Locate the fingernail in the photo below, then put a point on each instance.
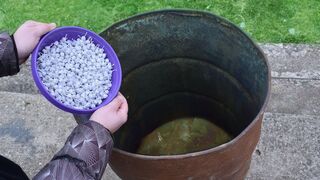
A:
(53, 24)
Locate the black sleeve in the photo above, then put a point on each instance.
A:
(9, 62)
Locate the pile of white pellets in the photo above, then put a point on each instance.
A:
(75, 72)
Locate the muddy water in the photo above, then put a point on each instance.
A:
(184, 135)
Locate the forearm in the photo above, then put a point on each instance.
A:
(84, 156)
(9, 63)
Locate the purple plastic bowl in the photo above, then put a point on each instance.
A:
(74, 32)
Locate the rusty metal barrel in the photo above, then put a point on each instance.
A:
(180, 63)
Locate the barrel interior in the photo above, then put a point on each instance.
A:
(177, 64)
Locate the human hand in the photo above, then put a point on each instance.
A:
(28, 35)
(113, 115)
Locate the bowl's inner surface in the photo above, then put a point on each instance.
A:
(179, 65)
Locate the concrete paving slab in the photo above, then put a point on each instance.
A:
(32, 131)
(289, 148)
(21, 82)
(295, 96)
(293, 60)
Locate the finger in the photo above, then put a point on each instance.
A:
(42, 28)
(120, 95)
(30, 23)
(124, 106)
(115, 104)
(43, 24)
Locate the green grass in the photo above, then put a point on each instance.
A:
(286, 21)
